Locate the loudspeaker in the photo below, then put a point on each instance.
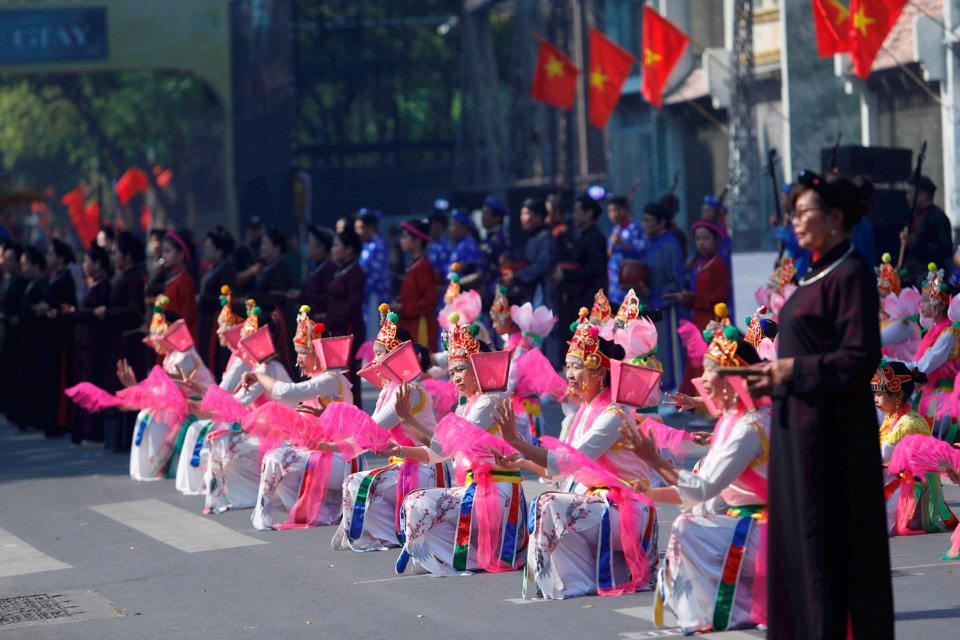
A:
(882, 164)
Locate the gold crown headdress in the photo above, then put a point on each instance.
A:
(784, 273)
(307, 331)
(585, 344)
(600, 312)
(500, 308)
(158, 321)
(453, 288)
(388, 328)
(252, 323)
(934, 286)
(629, 310)
(461, 341)
(888, 280)
(722, 338)
(227, 318)
(886, 380)
(754, 329)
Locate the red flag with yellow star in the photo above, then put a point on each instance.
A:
(831, 21)
(555, 77)
(609, 67)
(870, 22)
(663, 45)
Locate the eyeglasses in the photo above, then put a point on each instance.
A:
(799, 213)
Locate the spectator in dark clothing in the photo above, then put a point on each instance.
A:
(270, 287)
(218, 252)
(31, 395)
(56, 350)
(319, 242)
(11, 297)
(123, 316)
(345, 299)
(580, 276)
(247, 255)
(927, 237)
(91, 341)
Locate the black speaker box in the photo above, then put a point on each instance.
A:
(884, 165)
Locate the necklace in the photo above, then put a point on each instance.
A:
(827, 271)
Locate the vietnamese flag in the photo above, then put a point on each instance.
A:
(555, 77)
(871, 22)
(132, 182)
(609, 67)
(831, 21)
(663, 45)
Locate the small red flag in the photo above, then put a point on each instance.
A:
(554, 78)
(609, 67)
(663, 45)
(870, 23)
(831, 21)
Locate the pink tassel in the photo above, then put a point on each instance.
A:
(591, 473)
(222, 405)
(923, 454)
(158, 393)
(353, 430)
(693, 341)
(667, 437)
(536, 376)
(272, 424)
(954, 552)
(365, 353)
(460, 437)
(91, 397)
(313, 489)
(443, 394)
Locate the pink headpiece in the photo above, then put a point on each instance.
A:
(259, 345)
(178, 337)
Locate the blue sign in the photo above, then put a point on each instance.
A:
(53, 35)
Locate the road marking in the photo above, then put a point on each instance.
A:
(677, 631)
(526, 600)
(18, 558)
(176, 527)
(410, 577)
(646, 613)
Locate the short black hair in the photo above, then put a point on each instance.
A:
(35, 256)
(99, 256)
(10, 245)
(108, 231)
(834, 192)
(589, 204)
(62, 250)
(368, 219)
(349, 238)
(536, 205)
(222, 239)
(923, 184)
(658, 210)
(130, 245)
(618, 201)
(157, 233)
(440, 218)
(277, 238)
(322, 236)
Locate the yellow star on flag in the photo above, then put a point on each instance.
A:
(842, 12)
(861, 21)
(554, 67)
(651, 57)
(597, 79)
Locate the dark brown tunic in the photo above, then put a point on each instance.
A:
(827, 549)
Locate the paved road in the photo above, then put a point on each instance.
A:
(137, 560)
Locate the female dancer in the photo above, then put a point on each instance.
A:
(570, 552)
(371, 499)
(442, 526)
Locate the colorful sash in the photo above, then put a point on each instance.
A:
(497, 545)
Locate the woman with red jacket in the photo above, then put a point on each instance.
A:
(417, 302)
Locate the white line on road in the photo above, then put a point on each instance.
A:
(176, 527)
(18, 558)
(411, 577)
(526, 600)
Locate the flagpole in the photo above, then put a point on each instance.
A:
(580, 58)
